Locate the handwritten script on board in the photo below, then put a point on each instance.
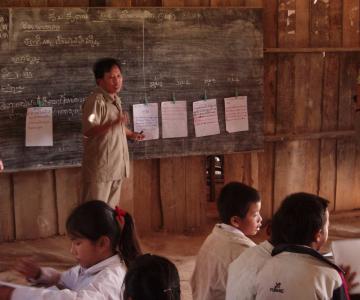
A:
(47, 56)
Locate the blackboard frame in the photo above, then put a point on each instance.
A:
(156, 47)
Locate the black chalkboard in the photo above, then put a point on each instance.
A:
(47, 55)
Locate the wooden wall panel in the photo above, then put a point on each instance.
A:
(195, 196)
(7, 225)
(117, 3)
(297, 162)
(34, 204)
(329, 121)
(286, 23)
(302, 23)
(173, 187)
(325, 24)
(296, 169)
(270, 21)
(350, 25)
(68, 194)
(146, 194)
(347, 190)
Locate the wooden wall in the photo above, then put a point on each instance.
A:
(311, 61)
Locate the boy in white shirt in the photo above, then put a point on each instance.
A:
(239, 210)
(296, 269)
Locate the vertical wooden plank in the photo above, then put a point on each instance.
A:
(236, 167)
(118, 3)
(173, 179)
(254, 3)
(76, 3)
(350, 23)
(295, 171)
(34, 203)
(146, 3)
(68, 191)
(197, 3)
(285, 111)
(146, 194)
(266, 180)
(286, 23)
(7, 228)
(270, 23)
(325, 24)
(347, 189)
(302, 26)
(308, 92)
(37, 3)
(327, 180)
(266, 159)
(219, 3)
(347, 175)
(127, 190)
(173, 3)
(195, 194)
(297, 162)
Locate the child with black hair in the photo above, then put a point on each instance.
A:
(296, 269)
(104, 243)
(152, 277)
(239, 210)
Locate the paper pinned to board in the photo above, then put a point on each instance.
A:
(206, 120)
(146, 119)
(236, 114)
(174, 119)
(39, 127)
(346, 253)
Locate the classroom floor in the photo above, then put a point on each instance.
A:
(181, 249)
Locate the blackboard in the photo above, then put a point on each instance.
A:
(47, 55)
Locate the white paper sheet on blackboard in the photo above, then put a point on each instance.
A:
(347, 253)
(174, 119)
(236, 114)
(206, 121)
(39, 127)
(146, 119)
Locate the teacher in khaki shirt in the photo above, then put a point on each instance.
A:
(106, 156)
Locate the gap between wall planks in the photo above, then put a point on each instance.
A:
(332, 170)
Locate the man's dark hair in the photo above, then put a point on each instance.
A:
(234, 200)
(299, 217)
(104, 65)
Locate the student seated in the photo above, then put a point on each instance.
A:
(242, 271)
(152, 277)
(103, 242)
(296, 269)
(239, 211)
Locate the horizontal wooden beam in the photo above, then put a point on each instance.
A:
(310, 50)
(309, 136)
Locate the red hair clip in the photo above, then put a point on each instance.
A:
(120, 214)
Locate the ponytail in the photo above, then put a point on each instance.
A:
(128, 245)
(94, 219)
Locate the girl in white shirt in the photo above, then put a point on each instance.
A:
(104, 243)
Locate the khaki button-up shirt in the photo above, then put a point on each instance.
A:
(106, 155)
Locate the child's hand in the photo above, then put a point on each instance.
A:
(349, 277)
(28, 267)
(5, 292)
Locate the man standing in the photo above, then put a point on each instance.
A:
(106, 157)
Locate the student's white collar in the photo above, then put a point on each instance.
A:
(101, 265)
